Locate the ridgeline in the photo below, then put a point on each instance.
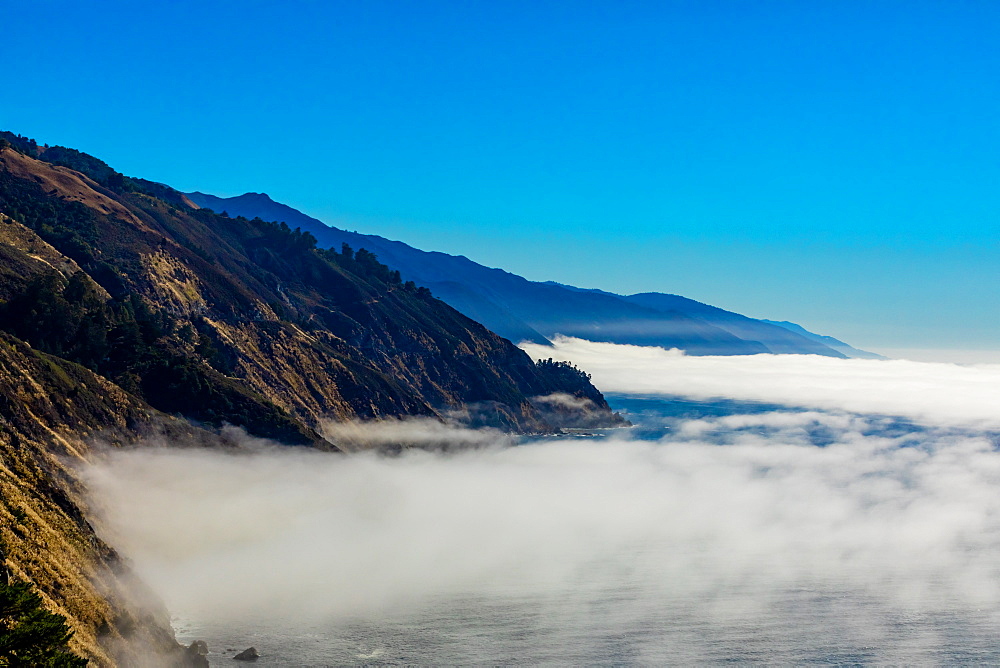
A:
(126, 311)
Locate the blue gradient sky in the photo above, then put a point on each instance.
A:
(831, 163)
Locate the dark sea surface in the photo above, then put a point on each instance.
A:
(684, 601)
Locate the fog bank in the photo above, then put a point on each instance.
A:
(720, 516)
(821, 532)
(420, 432)
(933, 393)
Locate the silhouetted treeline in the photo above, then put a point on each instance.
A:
(366, 264)
(564, 369)
(95, 168)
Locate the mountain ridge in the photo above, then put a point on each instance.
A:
(243, 287)
(830, 341)
(523, 310)
(128, 315)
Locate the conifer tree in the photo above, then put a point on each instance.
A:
(30, 635)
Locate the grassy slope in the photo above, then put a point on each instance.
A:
(49, 409)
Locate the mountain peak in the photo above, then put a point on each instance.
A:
(259, 197)
(248, 197)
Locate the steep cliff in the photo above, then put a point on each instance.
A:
(253, 324)
(127, 312)
(50, 412)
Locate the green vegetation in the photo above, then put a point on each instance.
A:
(282, 239)
(71, 319)
(123, 339)
(218, 319)
(198, 299)
(19, 143)
(127, 342)
(69, 226)
(96, 169)
(30, 635)
(564, 371)
(365, 264)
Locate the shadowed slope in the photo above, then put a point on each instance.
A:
(254, 315)
(525, 310)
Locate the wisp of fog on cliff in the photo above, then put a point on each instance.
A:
(733, 522)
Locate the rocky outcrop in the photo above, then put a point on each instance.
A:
(249, 654)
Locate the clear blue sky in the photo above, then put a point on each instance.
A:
(832, 163)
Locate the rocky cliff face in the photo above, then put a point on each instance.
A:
(125, 310)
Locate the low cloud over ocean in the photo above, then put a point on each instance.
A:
(933, 393)
(801, 529)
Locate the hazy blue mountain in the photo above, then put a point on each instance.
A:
(836, 344)
(777, 339)
(519, 309)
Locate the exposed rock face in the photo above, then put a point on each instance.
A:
(23, 254)
(249, 654)
(195, 656)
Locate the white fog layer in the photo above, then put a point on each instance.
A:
(778, 536)
(934, 393)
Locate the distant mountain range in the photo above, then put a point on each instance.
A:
(523, 310)
(836, 344)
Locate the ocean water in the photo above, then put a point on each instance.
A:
(794, 626)
(803, 626)
(712, 532)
